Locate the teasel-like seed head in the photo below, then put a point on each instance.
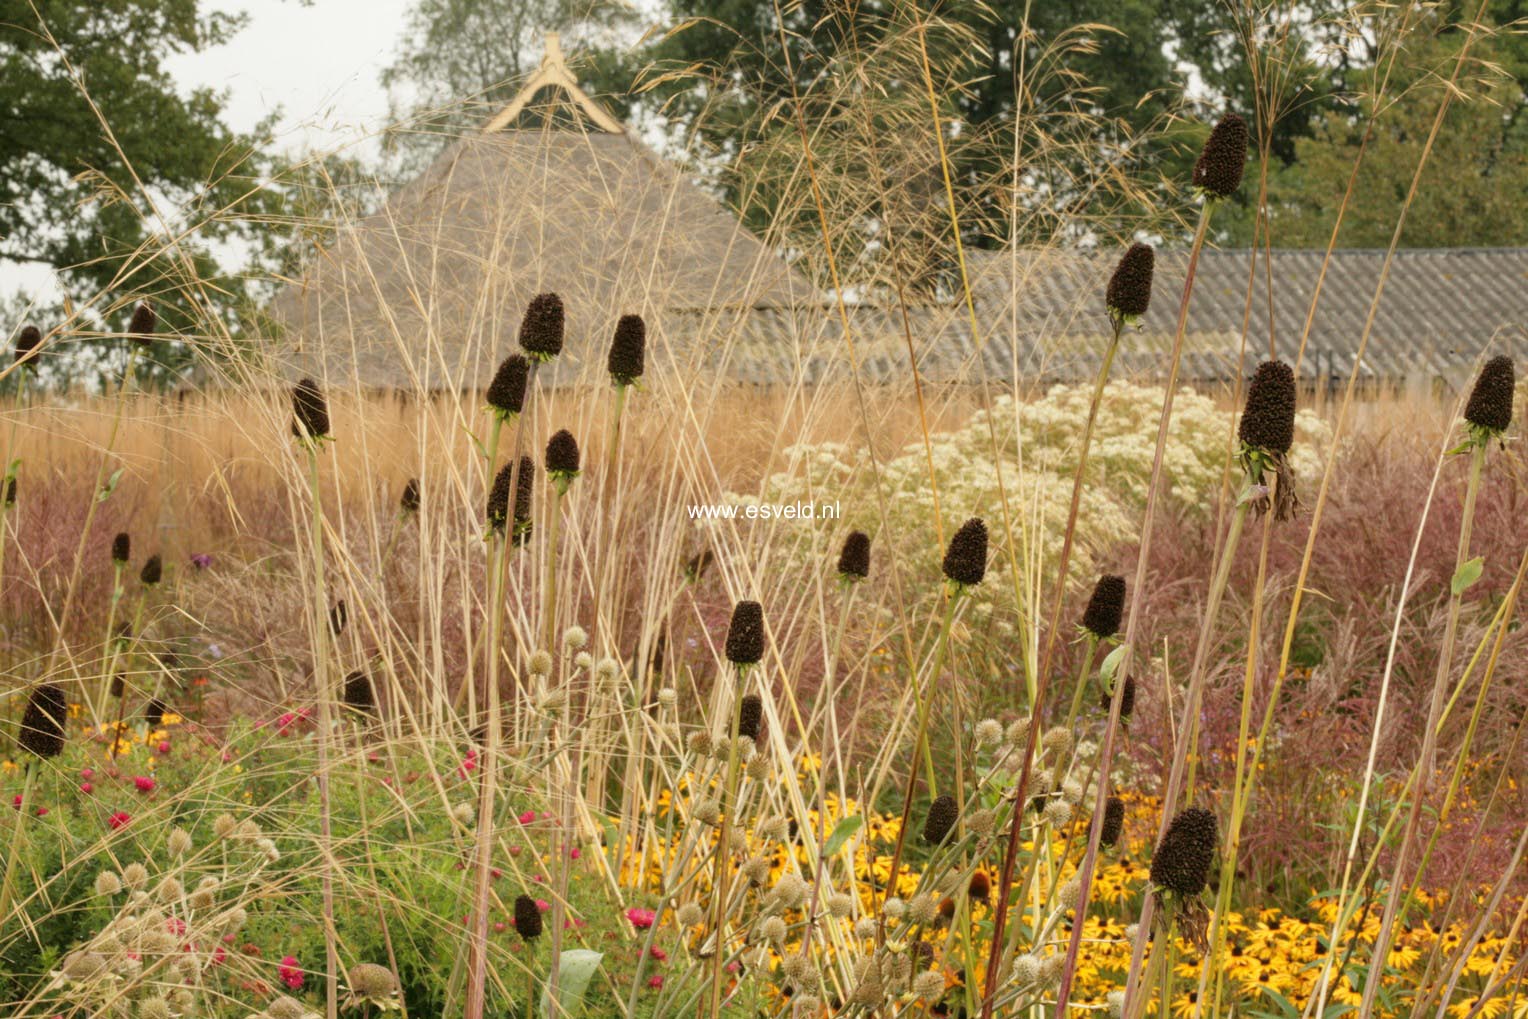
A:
(153, 571)
(310, 412)
(527, 917)
(498, 498)
(1490, 405)
(1126, 700)
(628, 350)
(408, 502)
(1106, 607)
(359, 694)
(42, 724)
(942, 815)
(965, 560)
(1129, 292)
(562, 456)
(854, 560)
(28, 340)
(745, 634)
(506, 393)
(1268, 423)
(1114, 822)
(339, 615)
(121, 548)
(750, 713)
(541, 328)
(1218, 172)
(1183, 858)
(143, 323)
(154, 712)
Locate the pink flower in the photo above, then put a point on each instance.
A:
(574, 853)
(118, 820)
(528, 817)
(543, 905)
(658, 953)
(87, 773)
(175, 925)
(655, 981)
(42, 811)
(641, 918)
(290, 972)
(16, 802)
(86, 787)
(144, 783)
(164, 746)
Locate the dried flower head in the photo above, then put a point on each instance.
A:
(965, 560)
(942, 815)
(1106, 607)
(108, 884)
(359, 695)
(750, 713)
(121, 547)
(1183, 858)
(525, 485)
(28, 340)
(628, 350)
(152, 572)
(988, 732)
(1218, 172)
(178, 842)
(745, 634)
(1129, 292)
(142, 325)
(310, 412)
(498, 498)
(154, 712)
(1126, 700)
(408, 502)
(42, 724)
(1490, 404)
(541, 328)
(854, 560)
(371, 983)
(690, 915)
(339, 615)
(1058, 813)
(135, 876)
(527, 917)
(929, 985)
(506, 393)
(562, 456)
(1268, 423)
(1114, 822)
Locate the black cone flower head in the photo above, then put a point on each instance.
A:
(942, 815)
(1129, 292)
(1183, 858)
(359, 695)
(745, 634)
(498, 498)
(339, 615)
(854, 560)
(1268, 423)
(1114, 822)
(1106, 607)
(10, 492)
(750, 713)
(541, 328)
(527, 917)
(1218, 172)
(42, 724)
(1490, 404)
(121, 547)
(143, 323)
(409, 500)
(506, 393)
(153, 571)
(525, 484)
(965, 561)
(310, 412)
(1126, 700)
(628, 350)
(28, 340)
(154, 712)
(562, 456)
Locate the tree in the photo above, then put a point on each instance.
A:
(103, 159)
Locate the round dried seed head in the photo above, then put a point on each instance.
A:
(541, 329)
(1106, 607)
(989, 732)
(373, 982)
(854, 559)
(965, 560)
(1058, 813)
(1129, 292)
(1268, 423)
(107, 884)
(1490, 404)
(574, 637)
(540, 663)
(628, 350)
(772, 930)
(1183, 858)
(745, 634)
(1218, 171)
(690, 915)
(840, 905)
(178, 842)
(928, 985)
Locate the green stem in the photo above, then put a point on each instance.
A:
(325, 734)
(18, 835)
(723, 849)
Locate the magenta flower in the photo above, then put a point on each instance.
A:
(201, 560)
(290, 973)
(119, 820)
(641, 918)
(144, 783)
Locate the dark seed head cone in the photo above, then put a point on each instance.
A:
(1218, 171)
(359, 695)
(1127, 700)
(750, 713)
(628, 351)
(942, 815)
(28, 340)
(745, 634)
(154, 712)
(525, 484)
(42, 724)
(1129, 292)
(527, 917)
(118, 688)
(965, 561)
(506, 393)
(339, 615)
(980, 886)
(498, 498)
(541, 328)
(1106, 607)
(310, 410)
(1183, 858)
(1114, 822)
(562, 454)
(153, 571)
(10, 492)
(143, 324)
(409, 500)
(854, 560)
(121, 547)
(1268, 423)
(696, 566)
(1490, 404)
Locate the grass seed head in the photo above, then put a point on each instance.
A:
(965, 560)
(1490, 404)
(628, 350)
(542, 327)
(1218, 171)
(1129, 291)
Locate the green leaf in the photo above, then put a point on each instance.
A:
(110, 486)
(574, 972)
(1111, 663)
(842, 832)
(1467, 573)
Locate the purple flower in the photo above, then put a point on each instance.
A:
(201, 560)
